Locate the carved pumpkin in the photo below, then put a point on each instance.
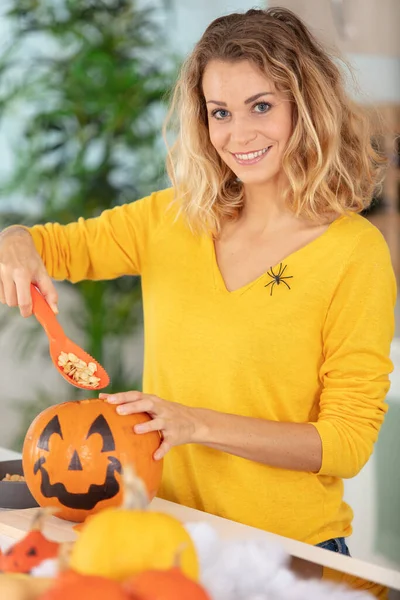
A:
(120, 542)
(170, 584)
(31, 551)
(70, 585)
(73, 454)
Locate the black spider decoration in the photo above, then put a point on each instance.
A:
(278, 278)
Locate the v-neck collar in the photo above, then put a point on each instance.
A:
(219, 282)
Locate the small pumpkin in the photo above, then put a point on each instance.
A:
(120, 542)
(23, 587)
(170, 584)
(31, 551)
(70, 585)
(72, 457)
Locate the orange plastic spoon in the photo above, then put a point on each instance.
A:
(59, 342)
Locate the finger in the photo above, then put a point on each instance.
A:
(139, 406)
(153, 425)
(24, 296)
(10, 293)
(2, 296)
(162, 450)
(48, 290)
(122, 397)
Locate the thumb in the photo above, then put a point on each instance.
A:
(48, 291)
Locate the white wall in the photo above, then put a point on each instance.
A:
(190, 18)
(378, 77)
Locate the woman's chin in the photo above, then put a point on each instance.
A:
(255, 178)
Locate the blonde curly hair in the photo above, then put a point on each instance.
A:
(330, 163)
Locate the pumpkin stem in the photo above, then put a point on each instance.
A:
(64, 553)
(177, 562)
(40, 517)
(135, 492)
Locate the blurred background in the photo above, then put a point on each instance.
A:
(82, 99)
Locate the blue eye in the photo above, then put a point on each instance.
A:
(262, 107)
(220, 114)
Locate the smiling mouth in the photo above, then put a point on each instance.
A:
(251, 158)
(86, 500)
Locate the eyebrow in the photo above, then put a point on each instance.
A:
(251, 99)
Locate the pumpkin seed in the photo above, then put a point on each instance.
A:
(9, 477)
(78, 370)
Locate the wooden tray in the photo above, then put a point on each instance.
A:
(15, 523)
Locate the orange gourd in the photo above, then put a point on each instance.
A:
(31, 551)
(170, 584)
(73, 455)
(70, 585)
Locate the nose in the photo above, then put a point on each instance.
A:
(242, 132)
(75, 464)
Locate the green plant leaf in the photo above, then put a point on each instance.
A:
(95, 89)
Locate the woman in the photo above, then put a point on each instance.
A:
(268, 301)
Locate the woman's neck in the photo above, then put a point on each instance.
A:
(265, 209)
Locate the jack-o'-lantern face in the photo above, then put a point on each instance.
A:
(28, 553)
(105, 489)
(73, 453)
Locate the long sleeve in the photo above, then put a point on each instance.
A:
(357, 335)
(105, 247)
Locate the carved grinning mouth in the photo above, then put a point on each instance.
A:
(85, 501)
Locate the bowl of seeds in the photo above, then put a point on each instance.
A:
(14, 492)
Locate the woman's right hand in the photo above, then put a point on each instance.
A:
(21, 265)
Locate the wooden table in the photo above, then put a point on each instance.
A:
(13, 524)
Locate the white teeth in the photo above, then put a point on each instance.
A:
(251, 155)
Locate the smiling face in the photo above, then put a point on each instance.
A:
(250, 121)
(74, 452)
(28, 553)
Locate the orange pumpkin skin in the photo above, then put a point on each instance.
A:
(70, 585)
(74, 452)
(171, 584)
(28, 553)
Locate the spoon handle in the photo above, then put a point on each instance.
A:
(46, 316)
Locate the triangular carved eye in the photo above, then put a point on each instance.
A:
(52, 426)
(31, 552)
(101, 427)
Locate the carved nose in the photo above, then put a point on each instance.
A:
(75, 464)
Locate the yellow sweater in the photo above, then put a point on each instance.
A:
(317, 352)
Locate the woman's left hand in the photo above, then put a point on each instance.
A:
(175, 422)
